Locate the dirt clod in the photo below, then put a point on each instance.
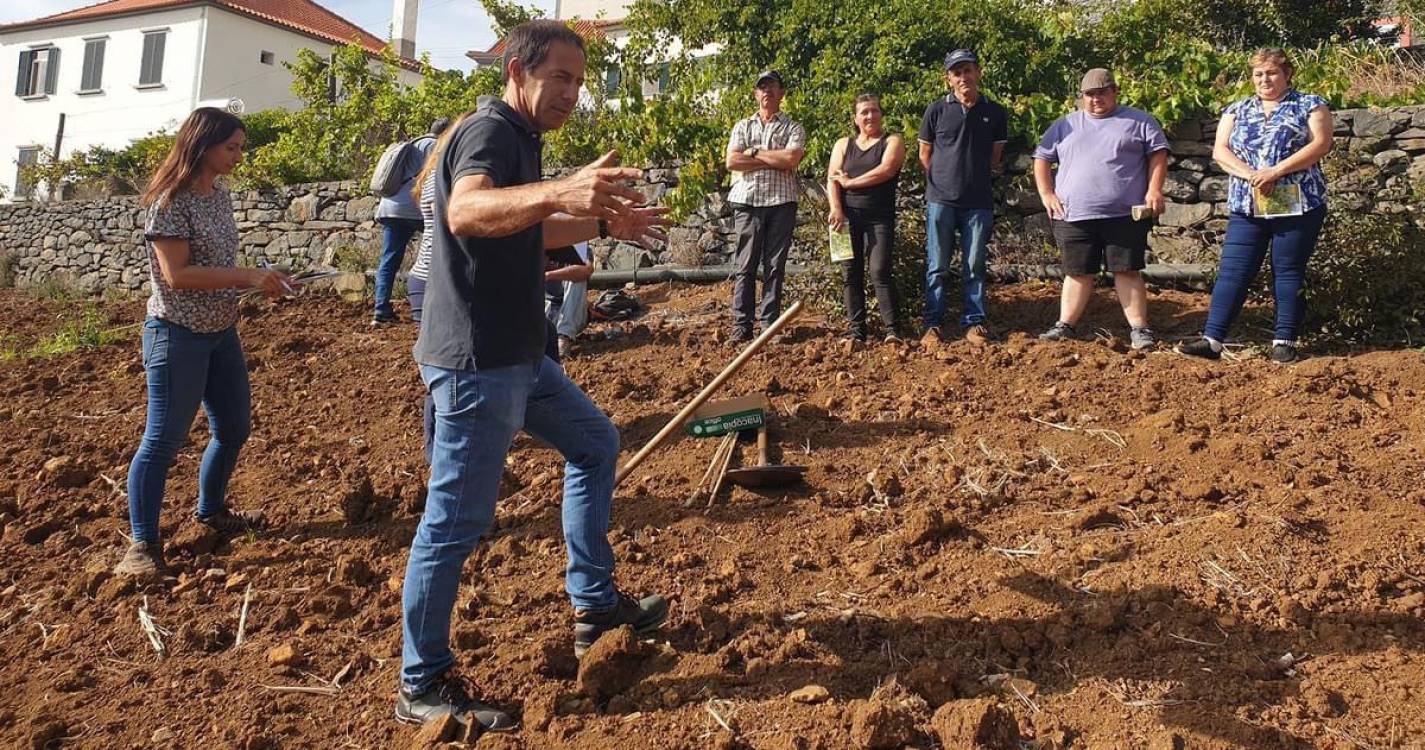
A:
(66, 471)
(977, 724)
(925, 526)
(285, 655)
(434, 733)
(888, 718)
(810, 694)
(45, 731)
(612, 665)
(195, 539)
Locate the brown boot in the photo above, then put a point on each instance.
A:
(142, 560)
(229, 521)
(977, 334)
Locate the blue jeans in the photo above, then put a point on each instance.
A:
(974, 226)
(397, 234)
(184, 369)
(416, 296)
(571, 315)
(1291, 239)
(477, 413)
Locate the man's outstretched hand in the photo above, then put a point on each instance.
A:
(642, 224)
(598, 190)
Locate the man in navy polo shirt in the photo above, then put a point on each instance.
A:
(481, 353)
(962, 139)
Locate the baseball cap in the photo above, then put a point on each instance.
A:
(1098, 78)
(770, 75)
(959, 56)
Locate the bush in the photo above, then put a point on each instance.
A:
(100, 171)
(1365, 283)
(57, 287)
(8, 261)
(352, 109)
(822, 284)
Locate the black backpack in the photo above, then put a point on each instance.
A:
(615, 304)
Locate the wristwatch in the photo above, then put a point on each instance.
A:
(755, 151)
(603, 229)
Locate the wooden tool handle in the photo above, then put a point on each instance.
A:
(763, 449)
(707, 392)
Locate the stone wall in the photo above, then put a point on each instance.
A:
(98, 244)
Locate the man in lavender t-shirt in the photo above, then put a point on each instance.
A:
(1110, 158)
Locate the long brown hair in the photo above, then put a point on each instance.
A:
(435, 153)
(204, 129)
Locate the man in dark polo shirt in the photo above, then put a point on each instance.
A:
(962, 139)
(482, 356)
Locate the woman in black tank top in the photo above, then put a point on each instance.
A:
(861, 183)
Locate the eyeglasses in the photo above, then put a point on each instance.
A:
(1097, 93)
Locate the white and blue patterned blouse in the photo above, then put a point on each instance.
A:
(1263, 141)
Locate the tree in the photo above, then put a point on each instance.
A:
(507, 14)
(339, 137)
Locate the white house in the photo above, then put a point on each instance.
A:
(600, 19)
(109, 73)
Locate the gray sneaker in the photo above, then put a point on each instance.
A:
(1060, 331)
(142, 560)
(1143, 338)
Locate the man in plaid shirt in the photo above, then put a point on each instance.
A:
(765, 149)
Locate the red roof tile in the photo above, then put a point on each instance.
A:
(584, 28)
(303, 16)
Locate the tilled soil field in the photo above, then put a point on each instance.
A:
(1019, 545)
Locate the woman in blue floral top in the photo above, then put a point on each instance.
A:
(1272, 145)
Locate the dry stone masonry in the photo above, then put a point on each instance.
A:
(98, 244)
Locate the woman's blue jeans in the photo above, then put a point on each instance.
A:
(185, 369)
(1291, 240)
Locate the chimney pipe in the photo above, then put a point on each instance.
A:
(403, 27)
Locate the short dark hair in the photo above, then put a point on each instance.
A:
(530, 43)
(439, 125)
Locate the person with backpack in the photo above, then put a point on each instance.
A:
(397, 213)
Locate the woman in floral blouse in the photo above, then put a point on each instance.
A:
(191, 351)
(1272, 145)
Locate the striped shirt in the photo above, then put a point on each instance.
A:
(421, 268)
(766, 187)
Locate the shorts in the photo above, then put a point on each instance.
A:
(1118, 244)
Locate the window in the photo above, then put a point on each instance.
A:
(151, 67)
(29, 156)
(92, 79)
(663, 77)
(266, 58)
(39, 72)
(612, 78)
